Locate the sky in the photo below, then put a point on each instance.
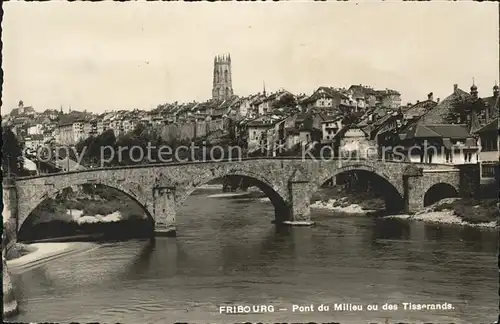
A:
(110, 55)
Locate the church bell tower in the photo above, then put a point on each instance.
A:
(222, 82)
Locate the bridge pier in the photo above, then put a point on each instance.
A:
(164, 211)
(10, 306)
(299, 208)
(412, 177)
(10, 204)
(414, 200)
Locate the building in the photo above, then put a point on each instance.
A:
(101, 126)
(436, 137)
(64, 133)
(23, 111)
(489, 156)
(79, 130)
(258, 133)
(302, 128)
(33, 142)
(330, 128)
(35, 129)
(222, 78)
(326, 99)
(439, 143)
(389, 98)
(353, 142)
(129, 125)
(438, 113)
(365, 94)
(414, 112)
(48, 136)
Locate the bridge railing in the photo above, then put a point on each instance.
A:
(279, 158)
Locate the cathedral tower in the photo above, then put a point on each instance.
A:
(222, 83)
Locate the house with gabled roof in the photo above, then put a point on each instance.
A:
(23, 110)
(432, 139)
(439, 143)
(330, 127)
(367, 96)
(257, 132)
(420, 108)
(389, 98)
(326, 98)
(438, 114)
(489, 142)
(351, 141)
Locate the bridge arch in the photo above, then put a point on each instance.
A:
(439, 191)
(27, 209)
(277, 194)
(391, 189)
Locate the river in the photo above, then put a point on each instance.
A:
(228, 252)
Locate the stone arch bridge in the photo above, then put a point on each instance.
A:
(288, 182)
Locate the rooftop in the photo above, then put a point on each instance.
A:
(452, 131)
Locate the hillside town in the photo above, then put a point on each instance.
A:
(348, 120)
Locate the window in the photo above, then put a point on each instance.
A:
(488, 171)
(489, 144)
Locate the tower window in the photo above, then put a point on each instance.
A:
(225, 76)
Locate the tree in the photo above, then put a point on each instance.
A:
(139, 129)
(107, 138)
(286, 100)
(350, 119)
(12, 153)
(461, 107)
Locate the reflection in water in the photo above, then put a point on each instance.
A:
(226, 251)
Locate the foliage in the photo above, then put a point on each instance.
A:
(351, 118)
(461, 107)
(12, 153)
(472, 210)
(286, 100)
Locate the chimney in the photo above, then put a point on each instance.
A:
(438, 99)
(455, 87)
(430, 96)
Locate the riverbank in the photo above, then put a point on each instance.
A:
(342, 205)
(86, 210)
(41, 253)
(458, 211)
(90, 204)
(335, 199)
(339, 199)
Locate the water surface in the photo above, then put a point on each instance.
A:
(227, 252)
